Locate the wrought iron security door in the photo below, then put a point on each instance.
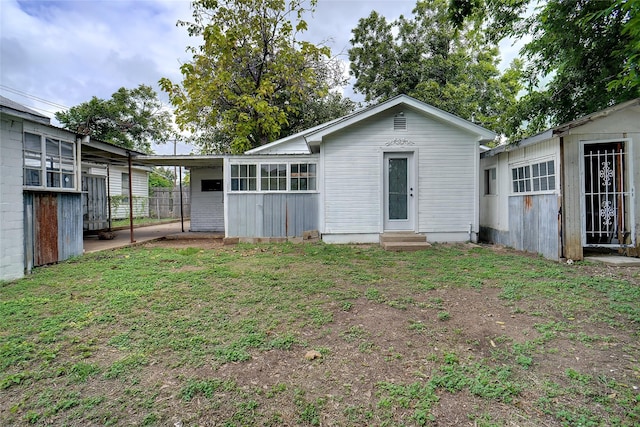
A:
(607, 195)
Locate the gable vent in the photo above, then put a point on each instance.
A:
(399, 122)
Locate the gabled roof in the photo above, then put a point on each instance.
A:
(11, 107)
(562, 129)
(313, 137)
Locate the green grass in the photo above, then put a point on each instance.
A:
(140, 336)
(141, 222)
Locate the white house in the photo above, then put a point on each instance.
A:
(401, 165)
(568, 189)
(117, 181)
(40, 199)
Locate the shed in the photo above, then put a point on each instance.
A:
(40, 198)
(567, 190)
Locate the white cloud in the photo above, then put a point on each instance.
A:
(70, 50)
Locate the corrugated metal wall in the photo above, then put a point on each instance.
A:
(52, 227)
(272, 215)
(533, 224)
(95, 211)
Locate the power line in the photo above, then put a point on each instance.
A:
(35, 98)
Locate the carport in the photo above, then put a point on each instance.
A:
(99, 152)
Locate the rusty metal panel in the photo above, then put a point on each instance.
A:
(533, 224)
(45, 228)
(70, 241)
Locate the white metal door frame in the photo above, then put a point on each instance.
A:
(610, 206)
(400, 224)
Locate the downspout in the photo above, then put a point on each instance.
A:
(130, 200)
(561, 200)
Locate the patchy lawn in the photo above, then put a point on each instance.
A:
(205, 335)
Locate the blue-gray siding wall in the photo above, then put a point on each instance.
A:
(533, 226)
(272, 215)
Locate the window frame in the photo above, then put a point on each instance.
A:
(282, 174)
(50, 159)
(245, 178)
(526, 177)
(276, 174)
(491, 181)
(311, 176)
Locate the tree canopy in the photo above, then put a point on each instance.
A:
(583, 55)
(252, 78)
(131, 118)
(427, 57)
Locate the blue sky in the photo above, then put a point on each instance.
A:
(67, 51)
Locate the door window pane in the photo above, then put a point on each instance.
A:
(398, 197)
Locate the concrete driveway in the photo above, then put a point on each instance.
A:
(140, 235)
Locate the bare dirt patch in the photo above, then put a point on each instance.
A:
(489, 351)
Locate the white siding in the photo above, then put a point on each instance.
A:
(296, 145)
(494, 209)
(446, 177)
(11, 201)
(207, 208)
(140, 190)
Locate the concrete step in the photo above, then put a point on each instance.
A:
(405, 246)
(402, 237)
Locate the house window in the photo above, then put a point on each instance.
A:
(32, 156)
(125, 184)
(544, 176)
(273, 177)
(303, 177)
(244, 178)
(51, 158)
(490, 182)
(211, 185)
(521, 177)
(534, 178)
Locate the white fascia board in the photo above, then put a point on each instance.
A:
(315, 137)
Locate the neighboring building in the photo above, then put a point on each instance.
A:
(40, 199)
(51, 181)
(568, 189)
(401, 165)
(115, 180)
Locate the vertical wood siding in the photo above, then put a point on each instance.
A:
(272, 215)
(95, 211)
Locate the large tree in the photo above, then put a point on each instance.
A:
(582, 55)
(252, 77)
(425, 56)
(131, 118)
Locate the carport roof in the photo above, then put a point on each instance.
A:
(102, 152)
(189, 161)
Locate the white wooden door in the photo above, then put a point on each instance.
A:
(399, 192)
